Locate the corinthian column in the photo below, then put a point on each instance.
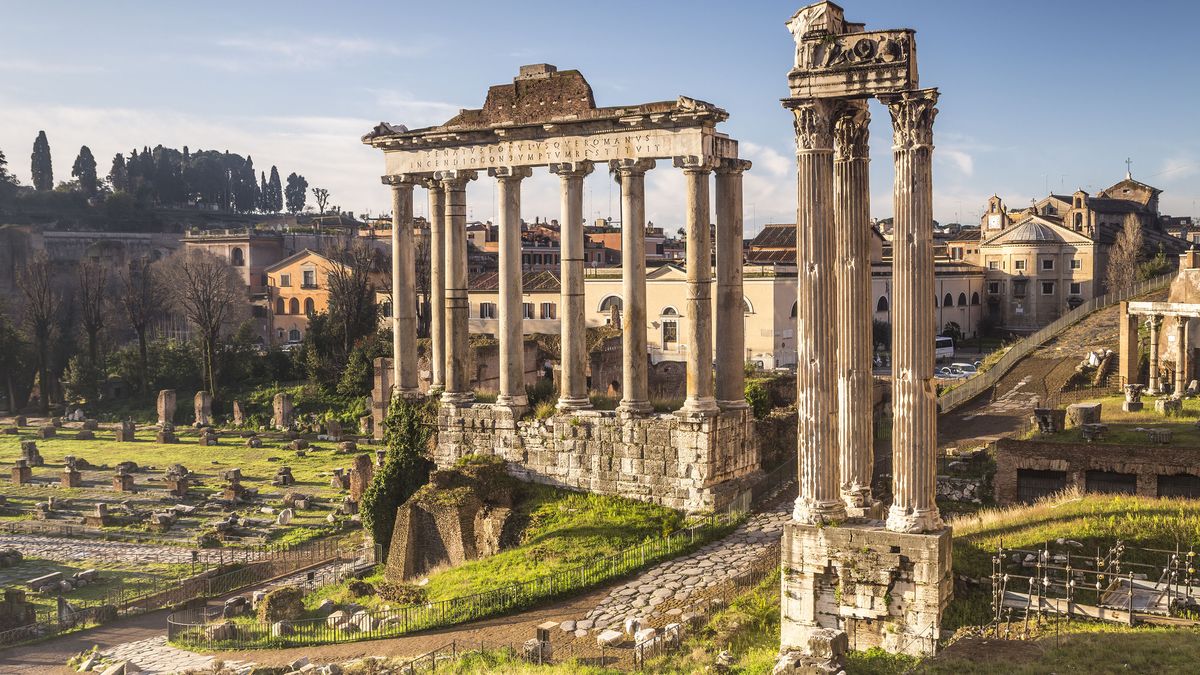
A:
(458, 359)
(404, 320)
(914, 396)
(852, 220)
(437, 285)
(631, 174)
(1155, 381)
(816, 383)
(699, 399)
(731, 317)
(512, 343)
(573, 394)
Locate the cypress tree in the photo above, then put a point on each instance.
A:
(275, 205)
(84, 170)
(40, 164)
(118, 175)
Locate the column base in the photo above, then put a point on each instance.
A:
(567, 403)
(811, 512)
(915, 521)
(458, 398)
(512, 401)
(739, 404)
(700, 407)
(409, 394)
(884, 589)
(871, 509)
(626, 407)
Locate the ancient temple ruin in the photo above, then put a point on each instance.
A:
(883, 581)
(695, 458)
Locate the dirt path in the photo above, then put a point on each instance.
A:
(51, 656)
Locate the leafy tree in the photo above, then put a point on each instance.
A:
(322, 197)
(405, 469)
(953, 330)
(1156, 266)
(118, 175)
(40, 164)
(296, 192)
(881, 334)
(13, 352)
(84, 170)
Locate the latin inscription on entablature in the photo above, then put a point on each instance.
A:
(640, 144)
(855, 64)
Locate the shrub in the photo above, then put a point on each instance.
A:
(405, 468)
(759, 398)
(282, 604)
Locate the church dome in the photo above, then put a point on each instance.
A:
(1031, 232)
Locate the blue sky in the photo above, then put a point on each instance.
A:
(1035, 95)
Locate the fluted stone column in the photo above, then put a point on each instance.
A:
(437, 285)
(700, 399)
(731, 317)
(852, 220)
(404, 319)
(1155, 383)
(914, 395)
(1180, 355)
(512, 342)
(458, 359)
(573, 393)
(816, 383)
(631, 174)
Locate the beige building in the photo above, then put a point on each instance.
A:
(1051, 257)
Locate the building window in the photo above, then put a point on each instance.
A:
(1076, 288)
(280, 306)
(293, 306)
(948, 301)
(1047, 288)
(285, 280)
(387, 310)
(1047, 264)
(1019, 265)
(975, 298)
(487, 310)
(1076, 264)
(609, 303)
(993, 264)
(548, 310)
(1019, 289)
(526, 310)
(280, 334)
(294, 335)
(310, 307)
(881, 306)
(670, 333)
(962, 299)
(994, 287)
(309, 280)
(237, 258)
(747, 308)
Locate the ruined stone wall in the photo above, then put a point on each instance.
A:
(1148, 462)
(694, 464)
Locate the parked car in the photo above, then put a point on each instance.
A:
(968, 369)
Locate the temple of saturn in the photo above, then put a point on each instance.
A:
(697, 458)
(1172, 369)
(849, 568)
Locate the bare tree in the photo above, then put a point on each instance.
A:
(144, 300)
(1124, 257)
(93, 294)
(421, 254)
(352, 307)
(322, 197)
(205, 290)
(42, 303)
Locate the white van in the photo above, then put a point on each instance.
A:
(943, 348)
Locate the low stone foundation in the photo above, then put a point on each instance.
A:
(884, 589)
(689, 463)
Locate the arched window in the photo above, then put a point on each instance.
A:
(310, 307)
(294, 335)
(237, 258)
(935, 301)
(293, 306)
(948, 301)
(975, 298)
(747, 307)
(881, 306)
(669, 311)
(962, 299)
(794, 306)
(1078, 221)
(280, 306)
(609, 302)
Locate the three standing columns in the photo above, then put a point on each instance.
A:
(855, 380)
(820, 500)
(512, 342)
(457, 356)
(914, 395)
(700, 399)
(573, 391)
(631, 174)
(731, 317)
(404, 320)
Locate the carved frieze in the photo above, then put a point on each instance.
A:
(854, 64)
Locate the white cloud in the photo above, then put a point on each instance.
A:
(961, 161)
(45, 68)
(401, 107)
(1177, 168)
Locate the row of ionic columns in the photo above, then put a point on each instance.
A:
(1182, 356)
(450, 357)
(834, 361)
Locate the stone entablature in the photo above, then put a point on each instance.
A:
(694, 463)
(1147, 462)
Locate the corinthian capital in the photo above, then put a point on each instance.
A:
(912, 117)
(851, 132)
(814, 124)
(630, 167)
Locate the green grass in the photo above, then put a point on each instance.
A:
(1122, 425)
(117, 579)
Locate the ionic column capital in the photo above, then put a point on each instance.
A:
(913, 113)
(572, 169)
(408, 180)
(733, 165)
(851, 132)
(510, 173)
(624, 168)
(693, 164)
(455, 180)
(814, 124)
(1155, 321)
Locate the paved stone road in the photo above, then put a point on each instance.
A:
(66, 550)
(671, 583)
(154, 655)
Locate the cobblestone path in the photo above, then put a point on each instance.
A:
(668, 586)
(66, 550)
(154, 655)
